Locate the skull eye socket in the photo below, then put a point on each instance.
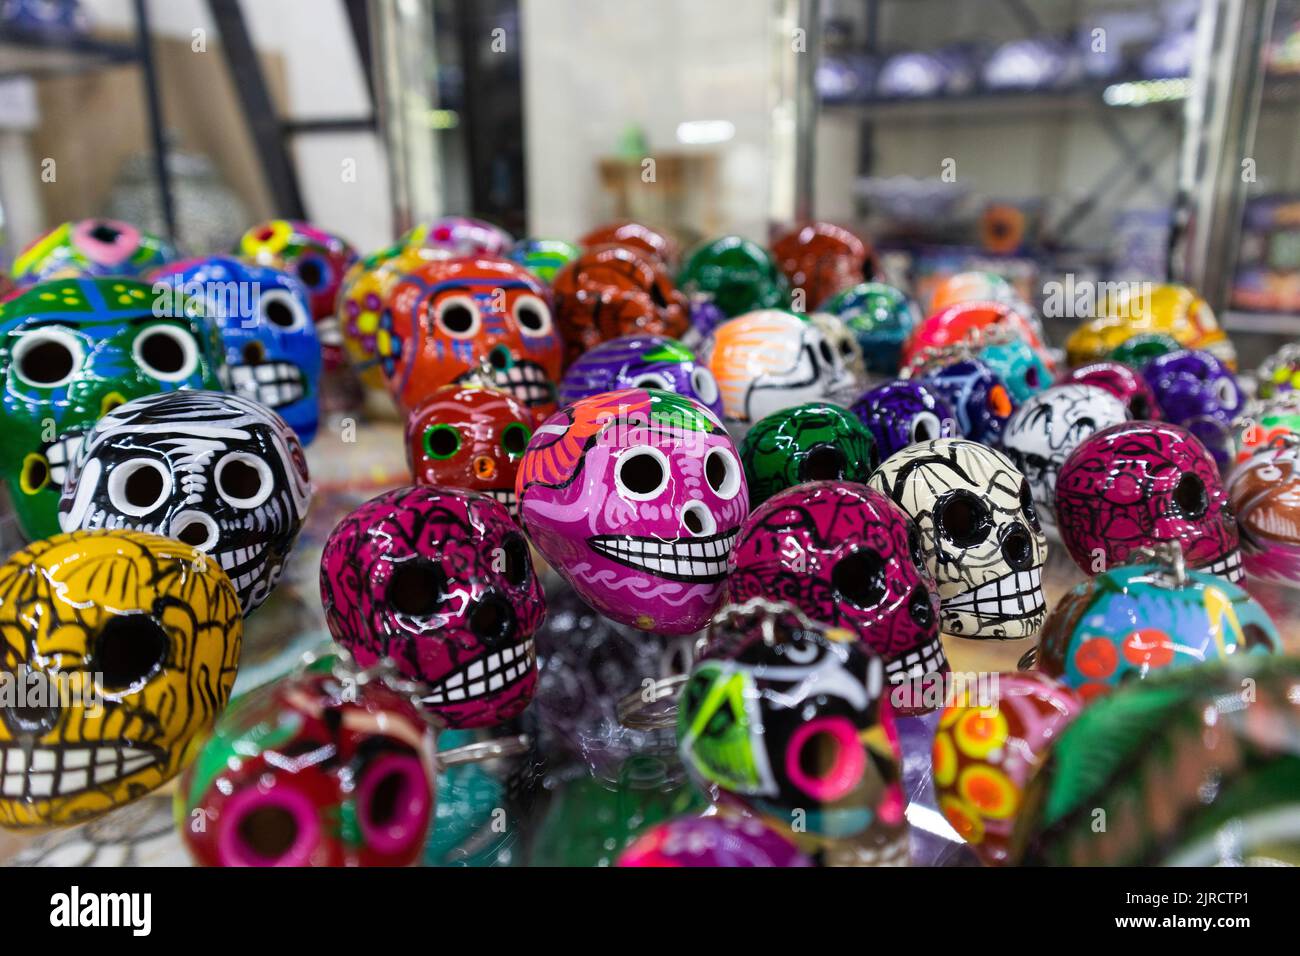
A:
(458, 316)
(166, 352)
(704, 385)
(393, 800)
(48, 358)
(1191, 498)
(641, 473)
(272, 827)
(653, 380)
(416, 587)
(859, 578)
(1226, 393)
(243, 480)
(441, 441)
(517, 564)
(533, 316)
(926, 427)
(282, 310)
(722, 472)
(1138, 407)
(129, 650)
(827, 355)
(963, 519)
(314, 272)
(514, 439)
(1027, 506)
(139, 485)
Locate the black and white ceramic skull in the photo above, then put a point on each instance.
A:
(980, 534)
(217, 471)
(1043, 431)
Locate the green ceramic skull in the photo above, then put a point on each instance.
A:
(813, 442)
(1140, 349)
(73, 349)
(738, 275)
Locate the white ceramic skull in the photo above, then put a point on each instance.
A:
(1043, 431)
(843, 341)
(980, 534)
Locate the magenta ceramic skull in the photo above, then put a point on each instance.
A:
(441, 581)
(846, 556)
(635, 497)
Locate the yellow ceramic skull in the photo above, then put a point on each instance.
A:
(1174, 310)
(126, 646)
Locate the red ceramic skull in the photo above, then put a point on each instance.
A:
(1135, 484)
(611, 291)
(465, 436)
(441, 581)
(821, 259)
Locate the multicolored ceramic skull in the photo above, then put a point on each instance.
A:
(842, 340)
(635, 497)
(738, 275)
(972, 286)
(135, 640)
(1043, 431)
(641, 361)
(767, 361)
(986, 751)
(635, 236)
(713, 841)
(612, 291)
(450, 315)
(902, 413)
(797, 722)
(466, 436)
(441, 581)
(91, 248)
(544, 257)
(980, 534)
(1263, 422)
(847, 556)
(1139, 619)
(972, 323)
(1279, 372)
(1198, 392)
(821, 260)
(72, 350)
(881, 317)
(976, 395)
(1173, 310)
(459, 236)
(273, 355)
(1133, 485)
(813, 442)
(220, 472)
(312, 770)
(1264, 492)
(1122, 382)
(1018, 367)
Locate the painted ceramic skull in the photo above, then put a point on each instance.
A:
(1042, 433)
(613, 291)
(902, 413)
(138, 640)
(821, 259)
(1265, 495)
(798, 723)
(1197, 391)
(641, 361)
(721, 840)
(846, 556)
(460, 236)
(217, 471)
(312, 771)
(273, 355)
(736, 274)
(980, 534)
(1140, 308)
(770, 360)
(972, 323)
(318, 258)
(842, 340)
(441, 581)
(449, 315)
(1122, 382)
(814, 442)
(1132, 485)
(1017, 366)
(73, 349)
(91, 248)
(977, 396)
(1262, 423)
(635, 497)
(544, 257)
(881, 317)
(636, 236)
(465, 436)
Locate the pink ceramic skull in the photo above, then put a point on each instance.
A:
(441, 581)
(1135, 484)
(635, 497)
(846, 556)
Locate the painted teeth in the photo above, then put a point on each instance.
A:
(59, 453)
(272, 383)
(527, 383)
(698, 559)
(1229, 566)
(1018, 594)
(507, 498)
(485, 675)
(64, 770)
(927, 659)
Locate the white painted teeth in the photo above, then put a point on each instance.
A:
(926, 659)
(60, 771)
(526, 382)
(59, 453)
(1229, 566)
(485, 675)
(1018, 594)
(506, 498)
(271, 383)
(702, 559)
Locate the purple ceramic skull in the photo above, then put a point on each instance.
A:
(980, 400)
(641, 361)
(901, 413)
(635, 497)
(1197, 391)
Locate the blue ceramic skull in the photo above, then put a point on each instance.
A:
(1197, 391)
(1021, 369)
(881, 317)
(641, 361)
(901, 413)
(264, 316)
(977, 396)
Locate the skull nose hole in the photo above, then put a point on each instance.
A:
(268, 832)
(254, 353)
(105, 233)
(698, 519)
(919, 607)
(30, 718)
(1137, 406)
(493, 620)
(1031, 377)
(500, 358)
(1018, 549)
(822, 463)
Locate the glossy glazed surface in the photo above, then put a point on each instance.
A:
(817, 441)
(881, 317)
(820, 260)
(641, 361)
(91, 248)
(736, 274)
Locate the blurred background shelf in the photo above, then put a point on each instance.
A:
(43, 53)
